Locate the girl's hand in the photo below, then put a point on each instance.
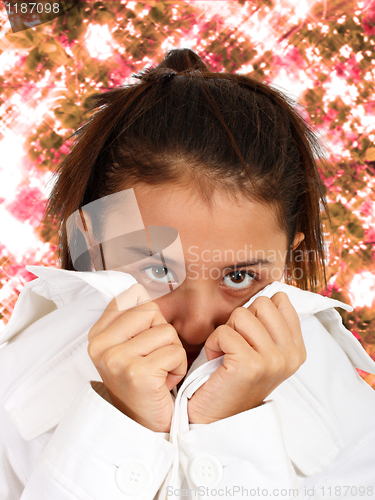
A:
(262, 347)
(139, 358)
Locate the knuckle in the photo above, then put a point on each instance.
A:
(179, 351)
(296, 359)
(91, 333)
(179, 348)
(239, 313)
(169, 331)
(260, 302)
(282, 301)
(136, 292)
(277, 364)
(112, 362)
(131, 374)
(223, 330)
(281, 296)
(150, 306)
(151, 310)
(258, 368)
(93, 350)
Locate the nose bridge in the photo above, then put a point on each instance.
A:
(200, 292)
(196, 315)
(197, 299)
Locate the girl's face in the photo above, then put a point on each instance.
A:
(231, 251)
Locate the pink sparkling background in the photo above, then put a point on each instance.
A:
(320, 52)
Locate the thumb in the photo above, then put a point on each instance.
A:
(212, 347)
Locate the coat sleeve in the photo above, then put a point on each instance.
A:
(244, 456)
(313, 438)
(97, 452)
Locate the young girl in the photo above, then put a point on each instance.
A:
(171, 356)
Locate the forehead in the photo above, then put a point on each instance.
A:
(225, 223)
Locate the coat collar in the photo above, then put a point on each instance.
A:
(61, 286)
(55, 288)
(38, 403)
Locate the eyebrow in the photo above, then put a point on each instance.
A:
(265, 262)
(146, 253)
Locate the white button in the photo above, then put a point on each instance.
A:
(206, 470)
(134, 476)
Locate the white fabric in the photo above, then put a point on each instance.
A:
(60, 438)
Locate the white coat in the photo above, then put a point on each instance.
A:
(61, 439)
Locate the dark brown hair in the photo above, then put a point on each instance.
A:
(182, 123)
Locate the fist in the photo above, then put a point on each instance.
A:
(262, 346)
(139, 358)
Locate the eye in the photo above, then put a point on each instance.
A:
(159, 274)
(240, 279)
